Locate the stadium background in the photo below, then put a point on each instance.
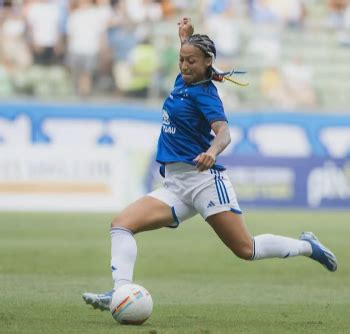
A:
(85, 80)
(83, 141)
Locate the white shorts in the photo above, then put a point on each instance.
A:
(189, 192)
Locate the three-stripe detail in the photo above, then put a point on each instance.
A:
(220, 187)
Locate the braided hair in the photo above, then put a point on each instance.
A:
(204, 43)
(207, 46)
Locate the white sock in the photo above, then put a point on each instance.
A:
(123, 255)
(269, 246)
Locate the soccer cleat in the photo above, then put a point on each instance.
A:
(320, 253)
(98, 301)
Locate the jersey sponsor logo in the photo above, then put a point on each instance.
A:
(169, 129)
(166, 127)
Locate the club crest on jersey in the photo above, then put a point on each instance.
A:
(166, 118)
(166, 124)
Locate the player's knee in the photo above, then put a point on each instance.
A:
(124, 223)
(117, 222)
(245, 252)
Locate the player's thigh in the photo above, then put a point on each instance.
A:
(232, 230)
(147, 213)
(181, 211)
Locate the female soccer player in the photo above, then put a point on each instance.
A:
(193, 181)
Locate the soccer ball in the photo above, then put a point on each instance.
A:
(131, 304)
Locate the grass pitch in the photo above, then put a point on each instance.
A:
(48, 260)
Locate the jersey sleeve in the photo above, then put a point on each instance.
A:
(210, 105)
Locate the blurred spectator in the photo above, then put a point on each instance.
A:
(261, 11)
(339, 20)
(223, 28)
(143, 65)
(14, 51)
(134, 60)
(265, 46)
(168, 67)
(298, 80)
(85, 31)
(64, 7)
(122, 40)
(104, 76)
(336, 13)
(345, 37)
(130, 46)
(168, 8)
(290, 13)
(272, 87)
(180, 8)
(289, 87)
(43, 19)
(140, 11)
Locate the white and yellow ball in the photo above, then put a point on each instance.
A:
(131, 304)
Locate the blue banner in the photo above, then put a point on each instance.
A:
(274, 160)
(284, 182)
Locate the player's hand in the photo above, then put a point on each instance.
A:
(204, 161)
(185, 29)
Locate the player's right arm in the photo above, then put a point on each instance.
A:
(185, 29)
(222, 139)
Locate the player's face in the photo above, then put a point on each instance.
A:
(193, 64)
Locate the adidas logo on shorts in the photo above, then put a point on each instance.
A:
(210, 204)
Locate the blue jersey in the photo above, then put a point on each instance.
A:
(188, 113)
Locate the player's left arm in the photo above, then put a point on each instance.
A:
(222, 139)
